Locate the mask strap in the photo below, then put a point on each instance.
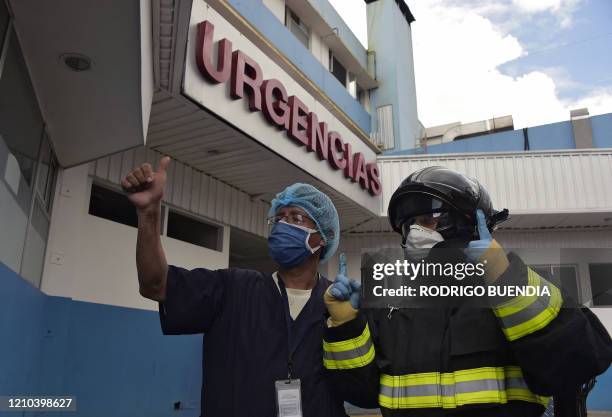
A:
(309, 231)
(307, 244)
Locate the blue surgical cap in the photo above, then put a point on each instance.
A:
(319, 208)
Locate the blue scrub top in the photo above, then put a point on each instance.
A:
(246, 349)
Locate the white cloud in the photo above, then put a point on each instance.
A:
(562, 9)
(598, 102)
(532, 6)
(460, 81)
(457, 52)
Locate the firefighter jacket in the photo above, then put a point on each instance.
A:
(505, 360)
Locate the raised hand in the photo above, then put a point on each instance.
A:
(342, 297)
(343, 288)
(144, 186)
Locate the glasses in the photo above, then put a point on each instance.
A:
(292, 218)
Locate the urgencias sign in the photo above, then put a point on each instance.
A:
(286, 112)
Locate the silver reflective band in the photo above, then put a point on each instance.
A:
(444, 390)
(523, 315)
(485, 385)
(349, 354)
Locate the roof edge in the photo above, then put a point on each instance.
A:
(404, 9)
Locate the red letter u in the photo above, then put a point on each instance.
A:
(204, 49)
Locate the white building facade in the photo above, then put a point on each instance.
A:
(247, 97)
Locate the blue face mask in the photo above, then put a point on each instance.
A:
(288, 244)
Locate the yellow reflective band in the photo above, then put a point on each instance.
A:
(349, 354)
(348, 344)
(524, 315)
(521, 394)
(486, 385)
(519, 303)
(538, 322)
(352, 363)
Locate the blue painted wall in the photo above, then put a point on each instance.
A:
(552, 136)
(114, 360)
(600, 399)
(22, 327)
(348, 38)
(602, 131)
(264, 21)
(390, 36)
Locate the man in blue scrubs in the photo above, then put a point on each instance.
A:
(262, 354)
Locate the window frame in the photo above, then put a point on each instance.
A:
(592, 296)
(575, 267)
(5, 37)
(333, 57)
(165, 212)
(301, 26)
(43, 204)
(185, 213)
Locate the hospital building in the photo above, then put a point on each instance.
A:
(247, 97)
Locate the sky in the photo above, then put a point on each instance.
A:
(533, 59)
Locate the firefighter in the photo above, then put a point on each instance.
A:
(502, 360)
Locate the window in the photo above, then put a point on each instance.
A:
(27, 163)
(194, 231)
(601, 284)
(112, 205)
(297, 27)
(562, 276)
(47, 168)
(337, 69)
(352, 85)
(21, 121)
(4, 21)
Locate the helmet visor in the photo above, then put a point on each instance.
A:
(413, 205)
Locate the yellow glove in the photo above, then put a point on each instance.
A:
(342, 297)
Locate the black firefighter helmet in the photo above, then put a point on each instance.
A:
(449, 198)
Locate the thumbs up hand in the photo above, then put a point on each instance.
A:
(145, 187)
(342, 297)
(487, 250)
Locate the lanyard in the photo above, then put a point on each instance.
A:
(295, 334)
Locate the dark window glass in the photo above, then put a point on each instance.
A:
(21, 124)
(193, 231)
(337, 69)
(563, 276)
(46, 174)
(297, 27)
(21, 132)
(601, 284)
(4, 19)
(112, 205)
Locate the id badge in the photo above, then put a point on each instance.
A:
(288, 398)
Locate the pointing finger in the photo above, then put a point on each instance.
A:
(342, 264)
